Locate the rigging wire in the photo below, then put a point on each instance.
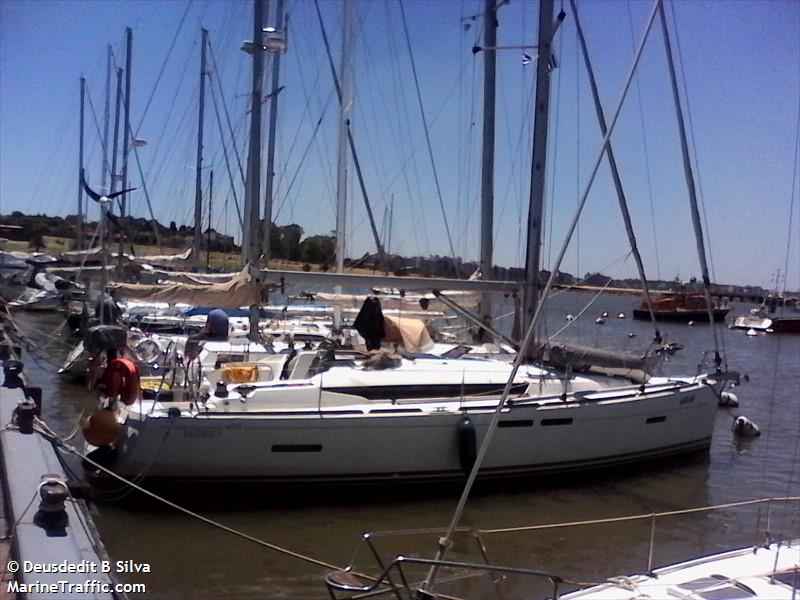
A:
(404, 137)
(427, 135)
(96, 124)
(578, 71)
(301, 164)
(795, 169)
(588, 305)
(227, 115)
(645, 151)
(44, 430)
(515, 151)
(163, 68)
(157, 151)
(323, 152)
(225, 153)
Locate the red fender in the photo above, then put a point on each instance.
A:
(122, 379)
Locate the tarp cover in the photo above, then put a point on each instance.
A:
(164, 260)
(77, 257)
(241, 290)
(410, 332)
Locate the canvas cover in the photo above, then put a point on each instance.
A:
(412, 333)
(95, 255)
(241, 290)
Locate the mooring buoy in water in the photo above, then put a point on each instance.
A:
(728, 399)
(744, 427)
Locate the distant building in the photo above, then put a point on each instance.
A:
(14, 233)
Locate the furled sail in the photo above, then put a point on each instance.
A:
(586, 358)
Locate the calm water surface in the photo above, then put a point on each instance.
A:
(189, 559)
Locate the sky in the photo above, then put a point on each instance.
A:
(739, 68)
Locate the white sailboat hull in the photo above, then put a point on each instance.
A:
(385, 442)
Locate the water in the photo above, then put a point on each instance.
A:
(191, 559)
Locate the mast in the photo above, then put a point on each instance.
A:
(113, 184)
(345, 74)
(345, 105)
(250, 238)
(80, 167)
(354, 154)
(253, 179)
(538, 167)
(106, 119)
(273, 120)
(126, 144)
(107, 205)
(487, 164)
(198, 191)
(210, 221)
(687, 168)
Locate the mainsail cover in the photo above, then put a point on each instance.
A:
(241, 290)
(586, 358)
(95, 255)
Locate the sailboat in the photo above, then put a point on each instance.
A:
(338, 415)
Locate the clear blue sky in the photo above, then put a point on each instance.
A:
(741, 65)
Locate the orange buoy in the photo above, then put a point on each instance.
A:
(121, 379)
(101, 428)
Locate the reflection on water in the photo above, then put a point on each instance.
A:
(192, 559)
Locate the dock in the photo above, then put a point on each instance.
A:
(50, 548)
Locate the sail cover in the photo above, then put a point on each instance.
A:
(77, 257)
(241, 290)
(95, 255)
(586, 358)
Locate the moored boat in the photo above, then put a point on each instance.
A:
(769, 572)
(682, 307)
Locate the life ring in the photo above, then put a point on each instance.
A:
(121, 379)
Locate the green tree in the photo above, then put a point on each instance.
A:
(318, 249)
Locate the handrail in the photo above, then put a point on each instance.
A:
(383, 583)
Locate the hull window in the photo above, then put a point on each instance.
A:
(519, 423)
(297, 448)
(552, 422)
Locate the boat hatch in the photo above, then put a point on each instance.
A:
(717, 587)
